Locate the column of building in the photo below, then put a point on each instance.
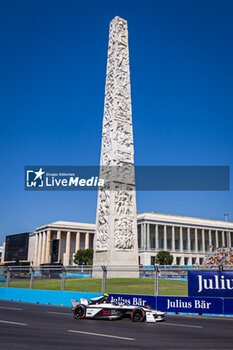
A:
(223, 239)
(59, 246)
(181, 240)
(43, 247)
(142, 242)
(143, 245)
(87, 240)
(147, 236)
(48, 247)
(67, 254)
(165, 237)
(144, 236)
(36, 249)
(188, 240)
(173, 239)
(39, 248)
(77, 241)
(157, 237)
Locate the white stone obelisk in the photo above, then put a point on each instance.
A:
(116, 222)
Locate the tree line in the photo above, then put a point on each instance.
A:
(85, 257)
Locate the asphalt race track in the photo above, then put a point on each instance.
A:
(31, 326)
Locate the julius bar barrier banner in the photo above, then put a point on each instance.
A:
(210, 284)
(228, 306)
(136, 300)
(190, 305)
(173, 304)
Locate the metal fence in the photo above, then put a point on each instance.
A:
(59, 277)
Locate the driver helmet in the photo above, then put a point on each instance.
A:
(106, 297)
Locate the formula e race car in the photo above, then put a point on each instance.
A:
(101, 308)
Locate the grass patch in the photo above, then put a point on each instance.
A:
(114, 285)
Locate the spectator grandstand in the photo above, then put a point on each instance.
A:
(221, 256)
(229, 259)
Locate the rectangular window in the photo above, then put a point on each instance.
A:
(82, 241)
(152, 260)
(152, 241)
(161, 243)
(91, 240)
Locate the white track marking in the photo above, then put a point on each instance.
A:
(11, 308)
(101, 335)
(204, 317)
(17, 323)
(59, 313)
(180, 325)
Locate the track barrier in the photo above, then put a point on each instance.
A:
(52, 297)
(168, 304)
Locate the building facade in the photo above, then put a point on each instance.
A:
(187, 239)
(58, 241)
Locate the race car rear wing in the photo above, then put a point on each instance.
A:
(83, 301)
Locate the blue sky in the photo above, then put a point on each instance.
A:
(53, 65)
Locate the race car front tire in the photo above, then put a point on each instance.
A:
(138, 315)
(79, 311)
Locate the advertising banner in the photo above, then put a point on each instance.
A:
(228, 306)
(190, 305)
(137, 300)
(210, 284)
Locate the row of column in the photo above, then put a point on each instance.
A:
(42, 254)
(67, 256)
(182, 260)
(42, 247)
(145, 238)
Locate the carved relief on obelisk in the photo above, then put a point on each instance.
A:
(116, 223)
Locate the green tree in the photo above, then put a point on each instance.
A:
(84, 257)
(164, 258)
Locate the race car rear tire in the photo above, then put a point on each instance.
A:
(79, 311)
(138, 315)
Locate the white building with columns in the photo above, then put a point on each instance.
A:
(188, 239)
(70, 237)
